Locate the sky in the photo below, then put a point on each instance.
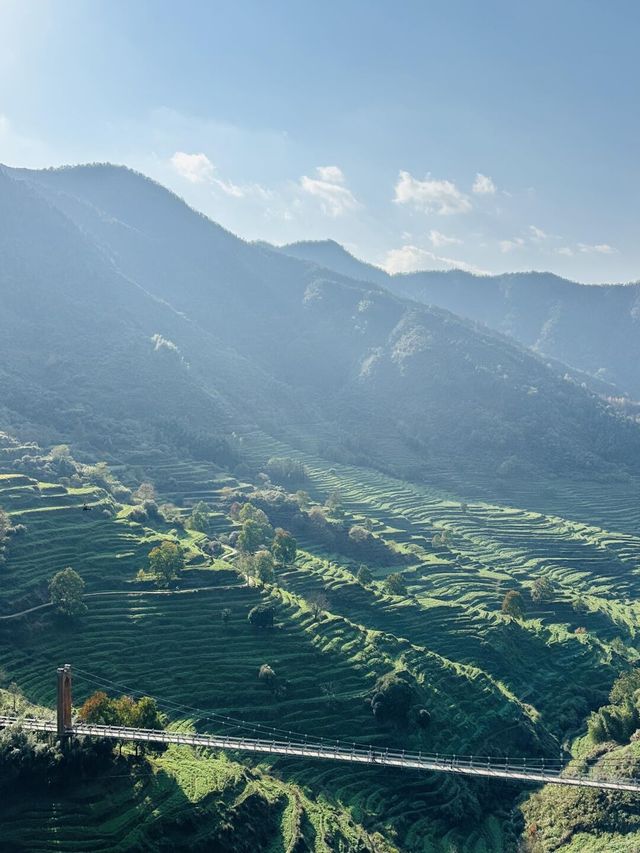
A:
(492, 136)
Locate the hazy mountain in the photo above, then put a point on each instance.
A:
(595, 328)
(125, 314)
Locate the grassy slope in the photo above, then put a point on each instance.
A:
(487, 682)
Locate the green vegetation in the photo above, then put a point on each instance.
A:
(395, 584)
(362, 577)
(331, 659)
(284, 547)
(101, 709)
(513, 604)
(66, 589)
(166, 561)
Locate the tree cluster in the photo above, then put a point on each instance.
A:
(261, 548)
(396, 700)
(261, 616)
(286, 471)
(620, 719)
(142, 713)
(28, 762)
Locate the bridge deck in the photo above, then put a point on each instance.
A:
(468, 766)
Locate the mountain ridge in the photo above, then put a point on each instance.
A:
(363, 373)
(553, 316)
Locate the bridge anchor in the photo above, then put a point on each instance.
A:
(64, 700)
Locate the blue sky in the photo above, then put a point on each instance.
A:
(489, 135)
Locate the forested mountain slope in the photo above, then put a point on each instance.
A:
(124, 311)
(595, 328)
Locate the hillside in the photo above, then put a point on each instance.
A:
(111, 263)
(553, 316)
(489, 684)
(137, 347)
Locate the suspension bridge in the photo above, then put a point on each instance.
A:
(533, 770)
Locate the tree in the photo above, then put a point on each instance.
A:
(146, 714)
(145, 492)
(283, 469)
(317, 515)
(358, 533)
(249, 511)
(318, 602)
(199, 519)
(254, 534)
(267, 675)
(66, 589)
(263, 566)
(303, 499)
(99, 709)
(284, 547)
(513, 604)
(625, 686)
(5, 524)
(396, 584)
(166, 561)
(393, 697)
(364, 575)
(15, 692)
(333, 501)
(261, 616)
(542, 589)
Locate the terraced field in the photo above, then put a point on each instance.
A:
(491, 685)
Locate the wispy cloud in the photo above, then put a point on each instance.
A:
(411, 258)
(567, 251)
(432, 196)
(438, 239)
(198, 169)
(329, 186)
(510, 245)
(598, 248)
(537, 234)
(483, 185)
(195, 168)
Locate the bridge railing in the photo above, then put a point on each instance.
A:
(466, 765)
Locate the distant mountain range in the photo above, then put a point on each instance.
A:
(594, 328)
(129, 320)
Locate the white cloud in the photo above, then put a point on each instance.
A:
(331, 174)
(198, 169)
(565, 250)
(328, 186)
(483, 185)
(195, 168)
(598, 248)
(537, 234)
(432, 196)
(510, 245)
(411, 258)
(438, 239)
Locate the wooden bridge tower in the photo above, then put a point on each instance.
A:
(64, 700)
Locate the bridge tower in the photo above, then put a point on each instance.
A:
(64, 700)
